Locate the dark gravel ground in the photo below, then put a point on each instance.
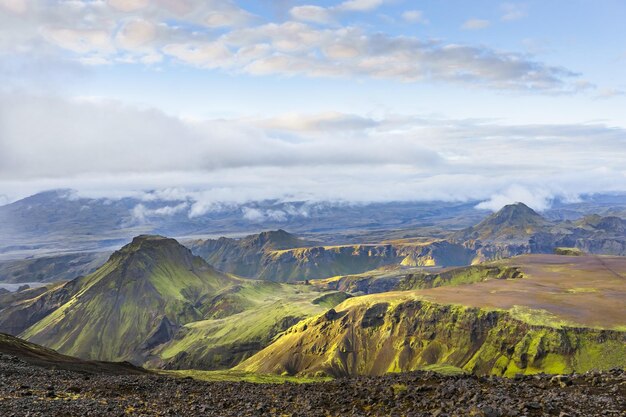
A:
(26, 390)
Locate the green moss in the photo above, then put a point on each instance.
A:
(568, 251)
(538, 317)
(332, 299)
(232, 375)
(444, 369)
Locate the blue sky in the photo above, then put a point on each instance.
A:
(525, 98)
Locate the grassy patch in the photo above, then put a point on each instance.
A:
(538, 317)
(230, 375)
(330, 300)
(444, 369)
(581, 290)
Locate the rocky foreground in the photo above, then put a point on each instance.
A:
(27, 390)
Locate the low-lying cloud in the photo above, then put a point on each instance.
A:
(108, 149)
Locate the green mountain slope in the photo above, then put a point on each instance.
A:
(557, 314)
(149, 283)
(244, 319)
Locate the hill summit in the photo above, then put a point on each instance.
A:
(137, 298)
(513, 222)
(273, 240)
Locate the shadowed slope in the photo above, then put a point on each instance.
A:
(48, 358)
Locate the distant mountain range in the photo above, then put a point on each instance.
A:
(284, 257)
(61, 221)
(514, 230)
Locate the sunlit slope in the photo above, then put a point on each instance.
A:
(561, 314)
(150, 283)
(223, 340)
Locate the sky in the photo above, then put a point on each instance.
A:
(352, 101)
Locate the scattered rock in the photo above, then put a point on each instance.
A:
(415, 394)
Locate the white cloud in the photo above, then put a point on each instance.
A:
(14, 6)
(80, 41)
(537, 198)
(228, 18)
(136, 34)
(105, 148)
(207, 55)
(310, 13)
(513, 11)
(324, 15)
(323, 122)
(414, 16)
(128, 5)
(606, 93)
(252, 214)
(475, 24)
(140, 213)
(220, 35)
(360, 5)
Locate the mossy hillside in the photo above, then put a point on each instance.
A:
(330, 300)
(219, 343)
(459, 276)
(402, 279)
(373, 335)
(119, 306)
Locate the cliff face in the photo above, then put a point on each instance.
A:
(369, 337)
(281, 257)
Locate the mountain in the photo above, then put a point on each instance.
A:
(40, 356)
(283, 257)
(514, 223)
(244, 256)
(140, 295)
(557, 314)
(517, 229)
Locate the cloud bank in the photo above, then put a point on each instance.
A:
(111, 149)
